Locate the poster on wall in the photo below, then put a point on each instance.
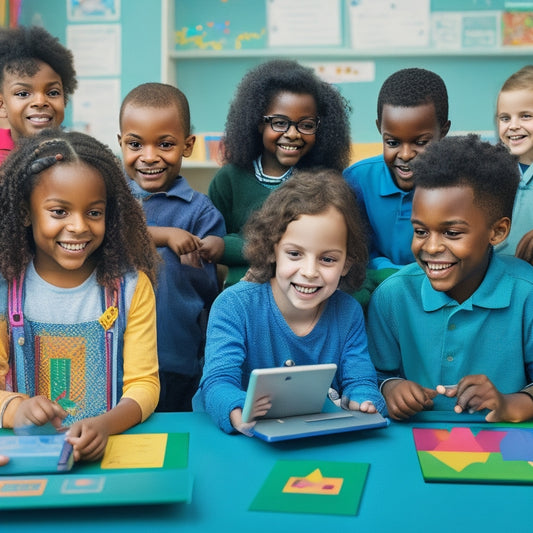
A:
(93, 10)
(96, 48)
(95, 109)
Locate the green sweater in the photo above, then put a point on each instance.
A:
(236, 194)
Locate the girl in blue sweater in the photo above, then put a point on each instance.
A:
(304, 244)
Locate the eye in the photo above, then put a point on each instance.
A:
(280, 123)
(419, 232)
(307, 125)
(134, 145)
(422, 142)
(293, 254)
(453, 233)
(166, 145)
(391, 143)
(503, 118)
(328, 260)
(95, 213)
(54, 93)
(58, 212)
(22, 94)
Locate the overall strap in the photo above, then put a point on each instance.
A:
(16, 322)
(113, 321)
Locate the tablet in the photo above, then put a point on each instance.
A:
(295, 390)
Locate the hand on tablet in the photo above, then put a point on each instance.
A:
(260, 408)
(365, 407)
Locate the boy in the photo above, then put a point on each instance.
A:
(454, 330)
(412, 112)
(186, 228)
(37, 77)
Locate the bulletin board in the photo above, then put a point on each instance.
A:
(474, 45)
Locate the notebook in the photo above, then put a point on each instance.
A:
(300, 404)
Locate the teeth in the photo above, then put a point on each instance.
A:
(405, 169)
(73, 247)
(151, 171)
(439, 267)
(306, 290)
(516, 137)
(39, 119)
(290, 148)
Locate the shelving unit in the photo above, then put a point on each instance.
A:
(473, 76)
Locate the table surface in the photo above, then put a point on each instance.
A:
(229, 470)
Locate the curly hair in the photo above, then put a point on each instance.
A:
(466, 161)
(127, 245)
(307, 192)
(22, 48)
(411, 87)
(242, 140)
(159, 95)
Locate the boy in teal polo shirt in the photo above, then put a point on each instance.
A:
(455, 329)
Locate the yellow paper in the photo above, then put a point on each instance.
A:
(314, 483)
(135, 451)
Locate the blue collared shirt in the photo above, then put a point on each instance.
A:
(182, 291)
(423, 335)
(387, 210)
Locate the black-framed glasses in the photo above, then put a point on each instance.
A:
(282, 124)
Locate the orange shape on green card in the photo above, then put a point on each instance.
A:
(314, 483)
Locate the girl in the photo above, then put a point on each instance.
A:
(514, 115)
(305, 241)
(77, 335)
(282, 116)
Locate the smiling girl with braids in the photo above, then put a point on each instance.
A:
(77, 330)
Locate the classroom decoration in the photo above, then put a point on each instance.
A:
(321, 487)
(464, 454)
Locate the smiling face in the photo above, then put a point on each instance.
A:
(283, 150)
(406, 132)
(153, 143)
(515, 122)
(310, 260)
(452, 239)
(32, 103)
(67, 217)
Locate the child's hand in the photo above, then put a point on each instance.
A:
(260, 408)
(192, 259)
(212, 248)
(38, 410)
(477, 392)
(365, 407)
(524, 250)
(405, 398)
(89, 438)
(181, 241)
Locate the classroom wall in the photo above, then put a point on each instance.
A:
(473, 80)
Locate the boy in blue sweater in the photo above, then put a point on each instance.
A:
(454, 331)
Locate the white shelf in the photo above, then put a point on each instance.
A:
(348, 52)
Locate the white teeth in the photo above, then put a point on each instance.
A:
(151, 171)
(39, 119)
(516, 137)
(439, 267)
(306, 290)
(73, 247)
(290, 148)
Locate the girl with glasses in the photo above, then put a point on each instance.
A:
(283, 116)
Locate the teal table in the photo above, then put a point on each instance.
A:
(229, 470)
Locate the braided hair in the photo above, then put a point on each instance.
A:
(127, 245)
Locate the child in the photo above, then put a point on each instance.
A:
(77, 330)
(282, 117)
(155, 134)
(37, 77)
(454, 330)
(303, 242)
(514, 116)
(412, 112)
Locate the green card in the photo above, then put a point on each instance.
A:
(323, 487)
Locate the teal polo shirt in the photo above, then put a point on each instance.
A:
(423, 335)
